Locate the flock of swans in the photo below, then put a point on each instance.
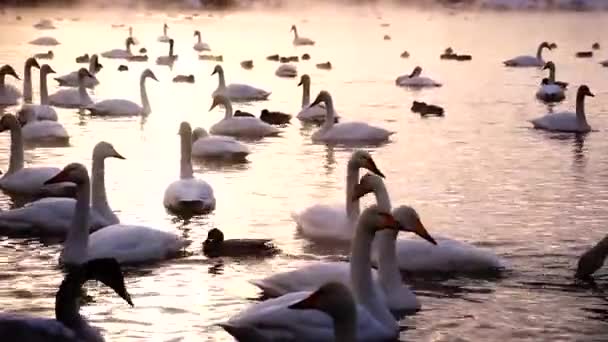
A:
(350, 300)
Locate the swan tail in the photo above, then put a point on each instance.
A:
(268, 290)
(242, 333)
(61, 81)
(196, 206)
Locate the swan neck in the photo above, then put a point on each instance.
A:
(75, 245)
(345, 328)
(295, 32)
(552, 74)
(67, 302)
(98, 185)
(186, 157)
(222, 80)
(352, 178)
(27, 84)
(329, 114)
(305, 94)
(198, 38)
(82, 91)
(144, 95)
(16, 160)
(44, 90)
(228, 110)
(164, 30)
(581, 117)
(92, 66)
(170, 50)
(539, 52)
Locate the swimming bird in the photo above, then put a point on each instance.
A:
(297, 40)
(567, 121)
(530, 61)
(216, 246)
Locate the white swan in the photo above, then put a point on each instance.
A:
(272, 320)
(188, 195)
(53, 216)
(164, 38)
(567, 121)
(246, 126)
(27, 181)
(398, 297)
(550, 90)
(9, 95)
(346, 132)
(235, 91)
(70, 97)
(27, 78)
(314, 114)
(297, 40)
(216, 146)
(71, 79)
(120, 53)
(44, 24)
(200, 45)
(42, 132)
(529, 61)
(323, 222)
(414, 80)
(119, 107)
(135, 41)
(286, 70)
(170, 58)
(45, 41)
(43, 111)
(69, 325)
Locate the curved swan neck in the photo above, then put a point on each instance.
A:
(27, 83)
(330, 114)
(185, 170)
(44, 90)
(76, 243)
(93, 66)
(539, 51)
(144, 95)
(352, 178)
(305, 94)
(552, 74)
(222, 80)
(198, 36)
(581, 117)
(67, 302)
(295, 32)
(170, 49)
(98, 185)
(165, 30)
(16, 160)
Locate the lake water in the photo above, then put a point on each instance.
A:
(480, 174)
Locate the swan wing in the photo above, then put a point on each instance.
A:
(564, 122)
(217, 146)
(68, 98)
(71, 80)
(244, 92)
(116, 53)
(244, 126)
(188, 190)
(352, 132)
(9, 95)
(324, 222)
(116, 107)
(45, 130)
(30, 181)
(524, 61)
(39, 112)
(419, 81)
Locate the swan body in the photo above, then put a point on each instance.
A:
(299, 41)
(346, 132)
(45, 132)
(567, 121)
(237, 92)
(45, 24)
(71, 79)
(415, 80)
(188, 195)
(120, 53)
(217, 146)
(313, 114)
(73, 98)
(164, 38)
(120, 107)
(529, 61)
(9, 95)
(248, 127)
(200, 45)
(286, 70)
(170, 58)
(31, 112)
(550, 93)
(45, 41)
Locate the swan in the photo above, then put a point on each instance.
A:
(188, 195)
(119, 107)
(592, 260)
(337, 301)
(216, 246)
(414, 80)
(44, 24)
(169, 59)
(135, 41)
(45, 41)
(27, 181)
(297, 40)
(120, 53)
(313, 114)
(248, 127)
(68, 325)
(286, 70)
(272, 320)
(567, 121)
(27, 78)
(164, 38)
(346, 132)
(73, 98)
(398, 297)
(200, 45)
(42, 111)
(53, 216)
(9, 95)
(71, 79)
(237, 92)
(42, 132)
(216, 146)
(323, 222)
(529, 61)
(550, 90)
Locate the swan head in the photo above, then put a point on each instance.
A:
(552, 46)
(374, 219)
(198, 133)
(197, 33)
(416, 72)
(74, 172)
(549, 65)
(215, 236)
(106, 150)
(148, 74)
(304, 80)
(324, 96)
(217, 70)
(185, 129)
(583, 90)
(8, 70)
(32, 62)
(82, 73)
(171, 42)
(546, 45)
(448, 51)
(130, 41)
(107, 271)
(219, 99)
(165, 26)
(95, 62)
(410, 220)
(333, 298)
(46, 69)
(362, 159)
(293, 28)
(8, 121)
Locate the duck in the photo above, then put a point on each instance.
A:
(120, 53)
(9, 95)
(83, 58)
(335, 222)
(337, 301)
(592, 260)
(120, 107)
(218, 58)
(324, 66)
(414, 80)
(386, 37)
(242, 114)
(45, 55)
(311, 114)
(243, 127)
(183, 79)
(164, 38)
(27, 79)
(53, 216)
(44, 24)
(73, 98)
(387, 280)
(248, 64)
(71, 79)
(299, 41)
(425, 109)
(200, 45)
(584, 54)
(138, 58)
(45, 41)
(595, 46)
(551, 90)
(284, 59)
(350, 133)
(205, 146)
(274, 118)
(216, 246)
(567, 121)
(374, 320)
(306, 57)
(235, 91)
(448, 53)
(68, 325)
(405, 54)
(43, 111)
(188, 196)
(274, 58)
(123, 67)
(27, 181)
(286, 70)
(170, 58)
(530, 61)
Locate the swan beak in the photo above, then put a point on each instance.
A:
(214, 72)
(127, 297)
(51, 71)
(590, 94)
(61, 177)
(299, 84)
(310, 302)
(118, 156)
(315, 102)
(36, 65)
(14, 74)
(213, 105)
(373, 168)
(421, 231)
